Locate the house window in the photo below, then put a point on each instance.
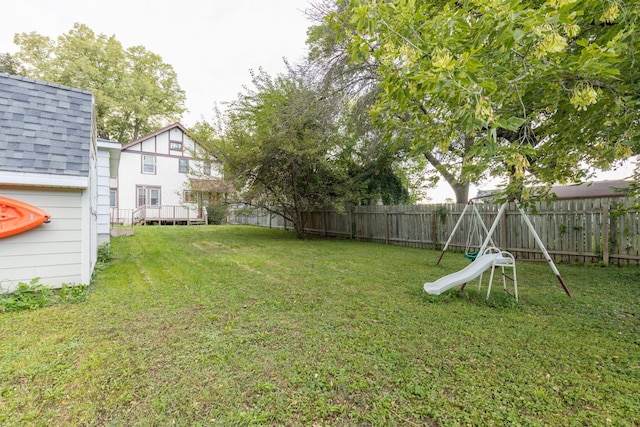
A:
(206, 168)
(113, 198)
(149, 196)
(175, 145)
(149, 164)
(183, 165)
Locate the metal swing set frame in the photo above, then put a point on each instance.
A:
(489, 235)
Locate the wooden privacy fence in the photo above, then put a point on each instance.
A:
(581, 230)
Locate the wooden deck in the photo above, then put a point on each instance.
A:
(160, 215)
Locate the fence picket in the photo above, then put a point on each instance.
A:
(572, 231)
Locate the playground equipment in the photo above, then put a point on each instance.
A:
(484, 262)
(474, 237)
(491, 258)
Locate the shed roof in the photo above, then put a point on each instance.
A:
(45, 128)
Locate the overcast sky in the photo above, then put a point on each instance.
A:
(211, 44)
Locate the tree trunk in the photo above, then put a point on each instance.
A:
(298, 224)
(461, 191)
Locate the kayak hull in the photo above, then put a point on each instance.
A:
(17, 217)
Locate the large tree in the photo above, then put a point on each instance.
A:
(281, 146)
(537, 91)
(330, 42)
(380, 167)
(135, 90)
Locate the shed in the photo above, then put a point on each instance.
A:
(49, 160)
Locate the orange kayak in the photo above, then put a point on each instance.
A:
(17, 217)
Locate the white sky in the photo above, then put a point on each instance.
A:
(211, 44)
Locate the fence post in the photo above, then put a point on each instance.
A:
(605, 234)
(386, 227)
(434, 229)
(324, 223)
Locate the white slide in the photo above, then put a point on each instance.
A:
(470, 272)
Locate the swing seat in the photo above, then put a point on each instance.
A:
(472, 255)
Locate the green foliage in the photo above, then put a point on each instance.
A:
(380, 184)
(135, 90)
(104, 254)
(540, 91)
(8, 64)
(72, 294)
(281, 146)
(26, 296)
(217, 214)
(34, 295)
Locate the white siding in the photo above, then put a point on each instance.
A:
(53, 251)
(103, 196)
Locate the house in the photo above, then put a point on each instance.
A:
(163, 179)
(50, 160)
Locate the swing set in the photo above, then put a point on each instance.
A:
(486, 255)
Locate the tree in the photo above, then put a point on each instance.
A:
(379, 168)
(541, 91)
(9, 64)
(134, 90)
(330, 42)
(281, 147)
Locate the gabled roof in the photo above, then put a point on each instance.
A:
(156, 133)
(45, 128)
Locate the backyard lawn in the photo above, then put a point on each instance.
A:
(237, 325)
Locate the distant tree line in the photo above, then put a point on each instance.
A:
(135, 90)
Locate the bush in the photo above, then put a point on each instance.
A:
(216, 214)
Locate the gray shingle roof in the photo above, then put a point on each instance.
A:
(44, 127)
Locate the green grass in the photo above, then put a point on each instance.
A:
(246, 326)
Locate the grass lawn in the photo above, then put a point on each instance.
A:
(224, 325)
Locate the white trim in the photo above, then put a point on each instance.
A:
(44, 180)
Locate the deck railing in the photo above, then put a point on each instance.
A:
(161, 215)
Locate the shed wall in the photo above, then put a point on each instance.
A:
(51, 252)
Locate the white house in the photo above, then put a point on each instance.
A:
(161, 179)
(49, 160)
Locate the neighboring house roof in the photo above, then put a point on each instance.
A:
(585, 190)
(590, 190)
(156, 133)
(45, 128)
